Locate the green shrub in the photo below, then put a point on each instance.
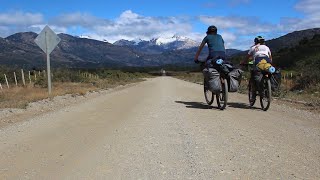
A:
(41, 82)
(66, 75)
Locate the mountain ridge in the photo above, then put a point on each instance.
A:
(75, 52)
(158, 45)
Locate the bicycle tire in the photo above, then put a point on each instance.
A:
(251, 94)
(207, 93)
(265, 95)
(222, 97)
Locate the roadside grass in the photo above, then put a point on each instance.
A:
(66, 82)
(195, 77)
(19, 97)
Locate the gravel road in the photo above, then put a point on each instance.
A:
(161, 129)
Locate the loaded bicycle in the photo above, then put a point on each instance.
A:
(262, 88)
(215, 84)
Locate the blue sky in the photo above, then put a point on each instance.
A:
(238, 21)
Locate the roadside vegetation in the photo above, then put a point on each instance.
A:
(65, 81)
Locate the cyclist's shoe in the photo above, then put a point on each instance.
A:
(254, 94)
(253, 98)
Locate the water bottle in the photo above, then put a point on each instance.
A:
(219, 61)
(272, 69)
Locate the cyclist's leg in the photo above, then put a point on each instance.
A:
(257, 74)
(257, 77)
(252, 86)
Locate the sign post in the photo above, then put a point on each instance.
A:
(47, 40)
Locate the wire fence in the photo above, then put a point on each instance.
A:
(29, 78)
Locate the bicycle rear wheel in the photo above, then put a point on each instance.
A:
(265, 94)
(222, 97)
(209, 96)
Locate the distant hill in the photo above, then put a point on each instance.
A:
(300, 56)
(281, 44)
(20, 50)
(291, 39)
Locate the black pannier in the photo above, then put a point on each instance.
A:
(212, 77)
(234, 79)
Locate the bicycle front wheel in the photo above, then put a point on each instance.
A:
(265, 94)
(222, 97)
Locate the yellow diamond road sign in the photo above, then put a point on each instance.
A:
(47, 40)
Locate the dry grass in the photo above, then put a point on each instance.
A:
(19, 97)
(195, 77)
(66, 82)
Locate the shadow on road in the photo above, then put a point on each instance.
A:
(196, 105)
(240, 105)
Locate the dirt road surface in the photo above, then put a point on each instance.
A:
(161, 129)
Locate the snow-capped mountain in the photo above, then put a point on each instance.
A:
(159, 45)
(85, 36)
(89, 37)
(123, 42)
(176, 42)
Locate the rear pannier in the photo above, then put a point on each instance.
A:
(234, 79)
(212, 77)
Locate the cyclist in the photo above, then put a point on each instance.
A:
(215, 44)
(258, 52)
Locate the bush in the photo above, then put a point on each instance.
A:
(41, 82)
(65, 75)
(310, 69)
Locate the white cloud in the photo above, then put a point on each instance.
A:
(243, 25)
(308, 6)
(20, 19)
(311, 9)
(128, 25)
(245, 28)
(228, 38)
(13, 22)
(237, 30)
(77, 19)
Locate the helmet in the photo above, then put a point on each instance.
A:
(212, 29)
(258, 39)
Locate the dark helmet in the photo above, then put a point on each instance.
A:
(212, 29)
(258, 39)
